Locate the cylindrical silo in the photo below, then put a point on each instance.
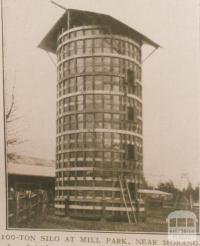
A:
(99, 155)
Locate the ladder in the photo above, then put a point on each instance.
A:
(132, 208)
(129, 201)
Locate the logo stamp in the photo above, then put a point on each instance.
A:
(182, 226)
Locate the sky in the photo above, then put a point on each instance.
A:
(170, 78)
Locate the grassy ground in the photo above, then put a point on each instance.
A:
(155, 222)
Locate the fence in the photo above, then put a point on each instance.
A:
(24, 206)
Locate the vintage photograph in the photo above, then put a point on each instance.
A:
(101, 110)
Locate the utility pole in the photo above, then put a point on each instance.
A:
(184, 176)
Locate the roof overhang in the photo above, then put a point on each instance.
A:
(83, 18)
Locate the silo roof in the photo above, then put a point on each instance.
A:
(83, 18)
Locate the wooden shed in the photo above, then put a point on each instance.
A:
(30, 173)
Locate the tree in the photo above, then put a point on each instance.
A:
(168, 187)
(12, 136)
(195, 194)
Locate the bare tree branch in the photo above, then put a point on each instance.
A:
(13, 134)
(11, 106)
(14, 119)
(12, 141)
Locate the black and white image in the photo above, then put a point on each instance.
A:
(101, 112)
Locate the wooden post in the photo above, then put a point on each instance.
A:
(68, 19)
(17, 206)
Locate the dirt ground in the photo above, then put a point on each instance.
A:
(155, 222)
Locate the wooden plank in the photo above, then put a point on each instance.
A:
(84, 188)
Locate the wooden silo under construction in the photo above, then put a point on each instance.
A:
(99, 158)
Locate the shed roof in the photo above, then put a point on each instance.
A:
(80, 18)
(30, 166)
(154, 192)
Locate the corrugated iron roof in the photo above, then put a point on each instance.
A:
(30, 166)
(80, 18)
